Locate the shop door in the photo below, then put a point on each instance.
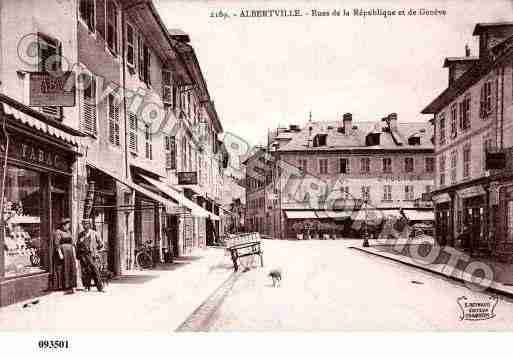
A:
(443, 227)
(172, 234)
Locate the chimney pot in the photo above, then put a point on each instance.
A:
(467, 50)
(347, 122)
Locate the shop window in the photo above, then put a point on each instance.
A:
(113, 120)
(88, 109)
(25, 250)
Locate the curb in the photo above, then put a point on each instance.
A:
(491, 289)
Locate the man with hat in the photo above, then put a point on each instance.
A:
(87, 246)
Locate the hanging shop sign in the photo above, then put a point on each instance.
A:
(50, 89)
(187, 178)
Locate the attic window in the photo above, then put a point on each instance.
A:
(372, 139)
(414, 141)
(320, 140)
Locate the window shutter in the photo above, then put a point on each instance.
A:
(133, 132)
(100, 18)
(113, 120)
(88, 110)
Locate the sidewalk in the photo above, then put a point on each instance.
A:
(503, 273)
(158, 300)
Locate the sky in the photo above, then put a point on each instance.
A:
(268, 72)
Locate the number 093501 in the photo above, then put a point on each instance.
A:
(53, 344)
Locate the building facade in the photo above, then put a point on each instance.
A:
(473, 124)
(325, 172)
(139, 145)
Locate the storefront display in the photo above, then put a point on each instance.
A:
(22, 211)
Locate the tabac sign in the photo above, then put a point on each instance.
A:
(47, 89)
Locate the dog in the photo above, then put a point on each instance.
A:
(275, 275)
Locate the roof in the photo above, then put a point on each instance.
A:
(469, 78)
(29, 117)
(355, 140)
(480, 27)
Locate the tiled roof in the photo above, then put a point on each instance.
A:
(355, 140)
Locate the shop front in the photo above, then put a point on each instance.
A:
(37, 195)
(443, 219)
(474, 215)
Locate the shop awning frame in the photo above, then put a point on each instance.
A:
(196, 210)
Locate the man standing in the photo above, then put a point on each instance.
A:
(87, 246)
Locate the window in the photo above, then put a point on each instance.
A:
(112, 27)
(130, 45)
(144, 61)
(485, 103)
(387, 165)
(190, 157)
(170, 150)
(303, 165)
(430, 164)
(487, 147)
(184, 156)
(100, 18)
(167, 88)
(387, 192)
(113, 120)
(88, 114)
(465, 113)
(441, 170)
(454, 162)
(140, 57)
(441, 130)
(454, 120)
(23, 210)
(320, 140)
(147, 141)
(365, 165)
(323, 166)
(466, 161)
(50, 53)
(133, 125)
(87, 14)
(147, 65)
(343, 165)
(408, 164)
(408, 193)
(366, 193)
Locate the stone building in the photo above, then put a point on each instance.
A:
(135, 147)
(473, 120)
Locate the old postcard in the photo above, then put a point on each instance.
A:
(255, 166)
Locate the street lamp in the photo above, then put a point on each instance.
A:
(365, 231)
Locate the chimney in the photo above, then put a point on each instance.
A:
(467, 50)
(347, 122)
(392, 121)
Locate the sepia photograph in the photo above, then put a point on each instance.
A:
(172, 167)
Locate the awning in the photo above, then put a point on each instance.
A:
(441, 198)
(39, 121)
(300, 214)
(416, 215)
(333, 214)
(471, 191)
(196, 210)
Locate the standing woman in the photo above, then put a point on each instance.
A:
(65, 269)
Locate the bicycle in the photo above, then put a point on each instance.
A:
(144, 257)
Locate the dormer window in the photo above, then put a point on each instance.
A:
(320, 140)
(372, 139)
(414, 141)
